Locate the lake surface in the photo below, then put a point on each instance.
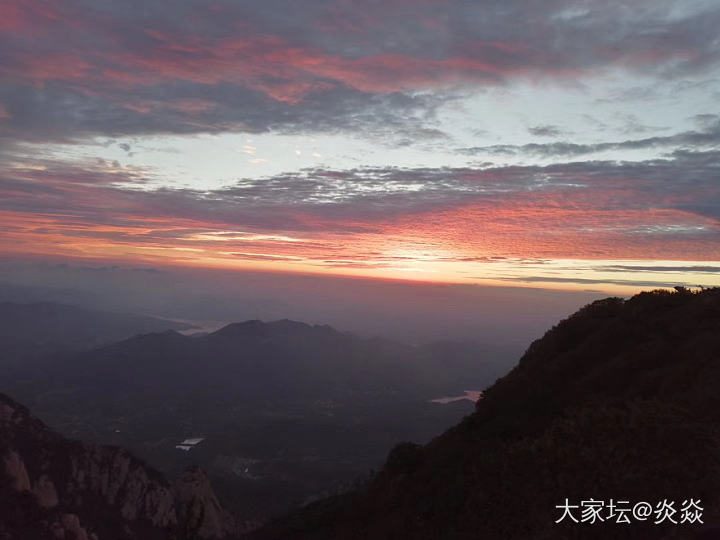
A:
(470, 395)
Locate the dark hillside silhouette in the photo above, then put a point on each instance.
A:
(619, 401)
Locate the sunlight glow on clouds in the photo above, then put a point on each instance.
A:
(556, 145)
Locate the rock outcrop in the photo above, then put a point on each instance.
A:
(195, 499)
(55, 488)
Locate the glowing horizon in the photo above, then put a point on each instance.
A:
(404, 141)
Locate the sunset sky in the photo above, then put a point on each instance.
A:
(550, 144)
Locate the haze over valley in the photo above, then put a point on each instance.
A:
(276, 413)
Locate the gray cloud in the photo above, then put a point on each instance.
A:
(356, 199)
(709, 137)
(137, 67)
(60, 114)
(626, 282)
(546, 131)
(639, 268)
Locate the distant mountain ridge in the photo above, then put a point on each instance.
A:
(286, 409)
(32, 329)
(255, 326)
(617, 402)
(54, 488)
(290, 351)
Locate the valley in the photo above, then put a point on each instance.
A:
(276, 413)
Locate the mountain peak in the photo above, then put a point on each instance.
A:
(257, 327)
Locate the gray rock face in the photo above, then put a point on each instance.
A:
(16, 471)
(51, 487)
(193, 494)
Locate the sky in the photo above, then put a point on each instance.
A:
(500, 319)
(563, 145)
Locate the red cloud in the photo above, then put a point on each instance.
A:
(63, 209)
(284, 64)
(265, 62)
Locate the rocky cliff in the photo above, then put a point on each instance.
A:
(55, 488)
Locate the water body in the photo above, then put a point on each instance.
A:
(470, 395)
(189, 444)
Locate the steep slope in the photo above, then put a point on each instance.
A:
(45, 327)
(52, 487)
(619, 401)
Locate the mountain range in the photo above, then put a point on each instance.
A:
(285, 411)
(615, 405)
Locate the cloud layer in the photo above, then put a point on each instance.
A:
(82, 68)
(448, 223)
(407, 73)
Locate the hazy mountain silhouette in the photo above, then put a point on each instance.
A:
(287, 410)
(43, 327)
(253, 359)
(619, 401)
